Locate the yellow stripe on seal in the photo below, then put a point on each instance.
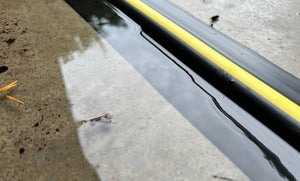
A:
(252, 82)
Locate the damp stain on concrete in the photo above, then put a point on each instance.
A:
(38, 140)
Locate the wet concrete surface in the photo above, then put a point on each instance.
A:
(38, 140)
(147, 138)
(256, 145)
(270, 28)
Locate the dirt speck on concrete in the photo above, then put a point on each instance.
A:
(38, 140)
(10, 41)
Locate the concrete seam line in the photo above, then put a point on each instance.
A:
(240, 74)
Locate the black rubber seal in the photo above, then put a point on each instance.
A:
(277, 120)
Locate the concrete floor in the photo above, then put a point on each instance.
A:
(48, 54)
(48, 48)
(270, 27)
(38, 140)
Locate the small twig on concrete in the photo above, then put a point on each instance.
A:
(223, 178)
(105, 116)
(9, 86)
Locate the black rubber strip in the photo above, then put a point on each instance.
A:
(280, 80)
(277, 120)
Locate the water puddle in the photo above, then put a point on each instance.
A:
(257, 151)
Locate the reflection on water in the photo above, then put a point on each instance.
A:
(81, 69)
(97, 14)
(181, 104)
(175, 85)
(269, 155)
(98, 80)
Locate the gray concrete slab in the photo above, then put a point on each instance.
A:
(270, 28)
(147, 139)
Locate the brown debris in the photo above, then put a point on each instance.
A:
(107, 116)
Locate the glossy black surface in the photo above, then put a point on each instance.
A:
(260, 154)
(280, 80)
(276, 119)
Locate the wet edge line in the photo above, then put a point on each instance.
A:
(269, 155)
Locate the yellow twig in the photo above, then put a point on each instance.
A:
(13, 99)
(8, 86)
